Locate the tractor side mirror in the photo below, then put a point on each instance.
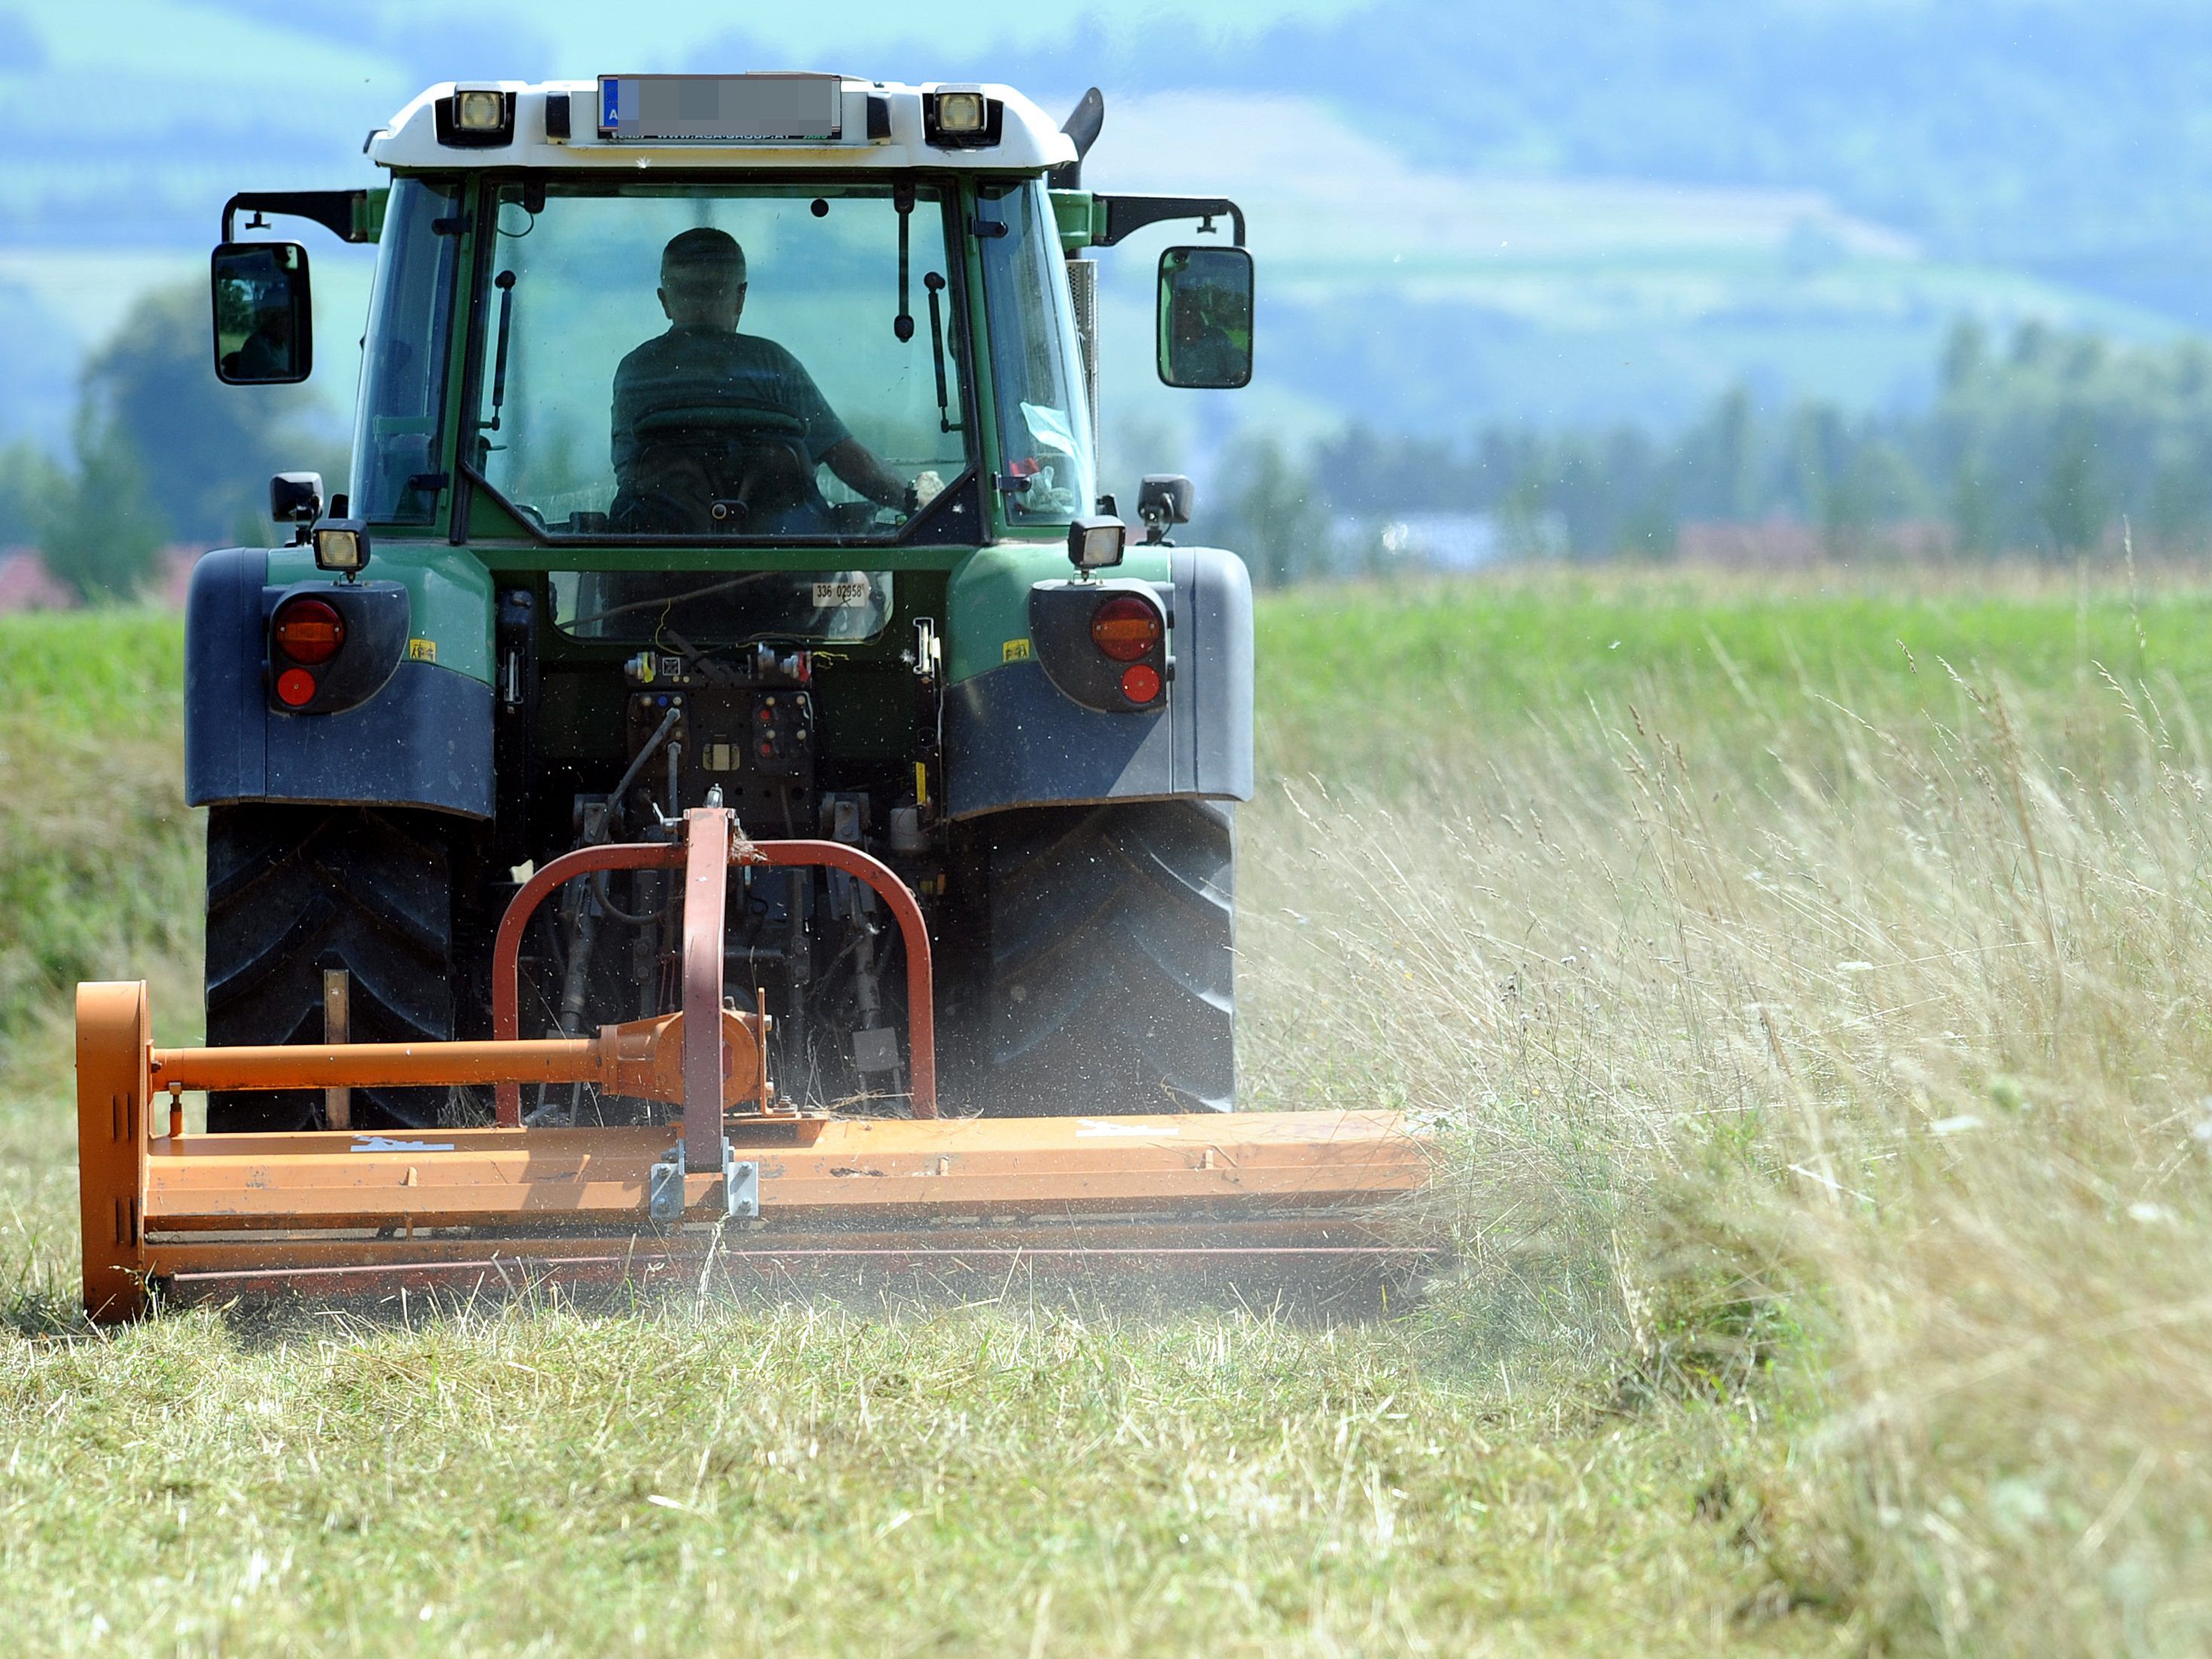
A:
(1164, 501)
(263, 317)
(295, 498)
(1205, 317)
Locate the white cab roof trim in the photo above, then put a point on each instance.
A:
(1029, 144)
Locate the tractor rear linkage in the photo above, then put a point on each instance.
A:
(334, 1211)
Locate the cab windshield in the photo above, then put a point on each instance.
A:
(721, 361)
(1044, 416)
(398, 440)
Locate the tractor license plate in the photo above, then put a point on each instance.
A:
(721, 109)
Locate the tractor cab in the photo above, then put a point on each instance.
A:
(731, 309)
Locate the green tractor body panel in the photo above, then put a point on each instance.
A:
(989, 602)
(449, 592)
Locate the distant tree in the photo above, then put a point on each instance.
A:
(1633, 486)
(1966, 355)
(1523, 518)
(1718, 460)
(2181, 494)
(207, 448)
(1821, 449)
(1282, 525)
(2040, 444)
(2032, 343)
(29, 484)
(1972, 513)
(102, 529)
(2071, 502)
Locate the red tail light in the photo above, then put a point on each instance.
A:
(308, 630)
(1140, 682)
(1125, 628)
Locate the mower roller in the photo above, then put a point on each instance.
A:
(738, 1180)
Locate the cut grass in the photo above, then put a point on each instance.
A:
(788, 1478)
(1817, 1034)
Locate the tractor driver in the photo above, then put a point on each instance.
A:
(265, 354)
(702, 362)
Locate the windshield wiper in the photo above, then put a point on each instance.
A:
(902, 199)
(505, 283)
(935, 283)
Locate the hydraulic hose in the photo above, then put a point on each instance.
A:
(637, 765)
(583, 922)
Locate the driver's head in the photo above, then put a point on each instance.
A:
(703, 278)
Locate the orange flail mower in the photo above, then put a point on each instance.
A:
(735, 1175)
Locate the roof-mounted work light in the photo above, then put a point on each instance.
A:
(960, 112)
(476, 118)
(962, 118)
(479, 109)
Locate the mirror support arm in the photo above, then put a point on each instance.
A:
(343, 213)
(1127, 215)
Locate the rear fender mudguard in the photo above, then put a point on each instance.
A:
(1012, 740)
(423, 739)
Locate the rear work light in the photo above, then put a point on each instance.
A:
(1125, 628)
(307, 631)
(960, 112)
(962, 118)
(340, 545)
(476, 118)
(479, 109)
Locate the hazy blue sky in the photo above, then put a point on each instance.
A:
(1508, 210)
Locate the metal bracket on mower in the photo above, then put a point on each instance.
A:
(740, 1187)
(709, 847)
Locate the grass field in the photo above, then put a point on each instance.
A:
(1809, 980)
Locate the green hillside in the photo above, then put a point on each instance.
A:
(1617, 211)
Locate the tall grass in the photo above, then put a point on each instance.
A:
(98, 858)
(1852, 1063)
(100, 874)
(1808, 990)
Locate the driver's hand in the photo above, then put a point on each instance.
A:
(928, 486)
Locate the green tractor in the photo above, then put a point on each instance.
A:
(729, 440)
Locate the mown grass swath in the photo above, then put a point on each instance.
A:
(1810, 986)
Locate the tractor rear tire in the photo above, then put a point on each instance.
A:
(1104, 979)
(292, 890)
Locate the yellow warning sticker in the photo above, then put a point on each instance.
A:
(421, 651)
(1014, 651)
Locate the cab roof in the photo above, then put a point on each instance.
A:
(880, 125)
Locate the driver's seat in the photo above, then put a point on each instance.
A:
(720, 470)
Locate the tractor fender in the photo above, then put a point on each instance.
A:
(1013, 739)
(423, 739)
